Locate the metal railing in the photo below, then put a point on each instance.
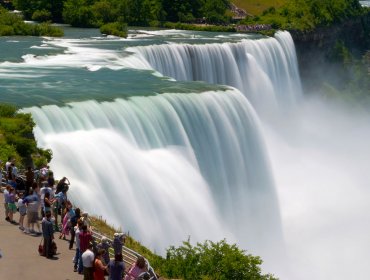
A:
(129, 256)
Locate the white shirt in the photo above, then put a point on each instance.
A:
(7, 164)
(43, 191)
(88, 258)
(15, 171)
(77, 239)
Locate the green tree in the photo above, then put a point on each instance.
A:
(212, 260)
(16, 136)
(105, 12)
(215, 10)
(78, 13)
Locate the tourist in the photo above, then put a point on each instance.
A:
(46, 189)
(48, 234)
(33, 202)
(30, 178)
(104, 244)
(88, 263)
(14, 171)
(43, 173)
(61, 199)
(6, 201)
(48, 202)
(63, 184)
(76, 259)
(118, 241)
(74, 221)
(12, 208)
(85, 238)
(136, 269)
(85, 218)
(8, 163)
(10, 177)
(22, 211)
(99, 267)
(51, 180)
(67, 214)
(116, 268)
(1, 173)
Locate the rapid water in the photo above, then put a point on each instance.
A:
(170, 134)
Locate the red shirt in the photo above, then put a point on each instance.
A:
(85, 238)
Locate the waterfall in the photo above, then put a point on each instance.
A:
(265, 70)
(167, 166)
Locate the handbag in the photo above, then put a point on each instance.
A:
(41, 247)
(54, 247)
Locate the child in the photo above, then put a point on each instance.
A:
(22, 211)
(11, 205)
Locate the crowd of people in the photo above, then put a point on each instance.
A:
(38, 197)
(253, 27)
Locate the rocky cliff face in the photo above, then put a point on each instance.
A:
(316, 51)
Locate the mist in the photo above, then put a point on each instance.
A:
(320, 158)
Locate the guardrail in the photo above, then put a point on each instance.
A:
(129, 255)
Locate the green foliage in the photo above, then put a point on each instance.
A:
(41, 15)
(29, 7)
(78, 13)
(256, 7)
(218, 261)
(309, 14)
(41, 157)
(13, 24)
(7, 110)
(215, 11)
(45, 29)
(95, 13)
(16, 136)
(115, 28)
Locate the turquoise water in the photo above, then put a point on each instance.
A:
(36, 71)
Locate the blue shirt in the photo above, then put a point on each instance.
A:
(116, 270)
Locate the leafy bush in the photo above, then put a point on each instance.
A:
(41, 16)
(13, 24)
(218, 261)
(307, 15)
(114, 28)
(45, 29)
(16, 136)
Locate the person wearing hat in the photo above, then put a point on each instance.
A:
(118, 240)
(104, 244)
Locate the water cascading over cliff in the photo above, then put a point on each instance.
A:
(265, 70)
(169, 166)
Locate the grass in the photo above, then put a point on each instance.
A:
(256, 7)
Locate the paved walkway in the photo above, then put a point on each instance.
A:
(21, 259)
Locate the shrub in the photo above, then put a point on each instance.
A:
(114, 28)
(212, 260)
(16, 136)
(41, 16)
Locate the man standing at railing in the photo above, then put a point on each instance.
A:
(88, 263)
(85, 239)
